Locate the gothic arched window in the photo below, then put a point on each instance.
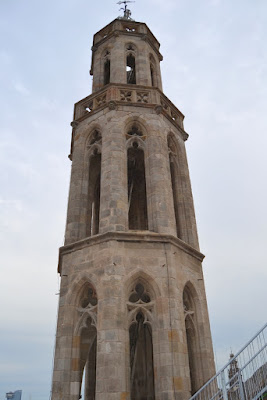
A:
(141, 345)
(130, 64)
(130, 69)
(152, 73)
(93, 208)
(191, 337)
(106, 67)
(137, 200)
(87, 334)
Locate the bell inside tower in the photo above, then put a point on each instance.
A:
(130, 69)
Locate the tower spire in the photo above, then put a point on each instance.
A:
(127, 12)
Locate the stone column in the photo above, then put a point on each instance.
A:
(75, 201)
(160, 200)
(114, 196)
(185, 201)
(112, 337)
(98, 77)
(171, 364)
(66, 352)
(118, 62)
(206, 356)
(142, 63)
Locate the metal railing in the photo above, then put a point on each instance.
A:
(244, 377)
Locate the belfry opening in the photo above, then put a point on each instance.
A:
(137, 203)
(107, 72)
(130, 69)
(141, 349)
(93, 202)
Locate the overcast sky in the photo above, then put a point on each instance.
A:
(215, 71)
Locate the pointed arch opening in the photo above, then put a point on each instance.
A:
(137, 199)
(88, 360)
(174, 181)
(87, 335)
(107, 72)
(130, 69)
(92, 226)
(141, 344)
(106, 69)
(191, 338)
(153, 74)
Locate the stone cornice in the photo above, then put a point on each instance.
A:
(130, 236)
(117, 27)
(111, 92)
(114, 94)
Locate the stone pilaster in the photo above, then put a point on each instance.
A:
(114, 196)
(162, 219)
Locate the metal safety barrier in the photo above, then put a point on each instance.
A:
(244, 377)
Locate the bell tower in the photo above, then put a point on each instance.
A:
(133, 321)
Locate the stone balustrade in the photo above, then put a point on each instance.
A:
(114, 95)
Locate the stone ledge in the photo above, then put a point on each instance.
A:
(113, 92)
(130, 236)
(115, 95)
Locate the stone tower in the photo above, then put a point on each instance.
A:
(133, 320)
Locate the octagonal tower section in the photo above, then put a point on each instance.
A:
(133, 320)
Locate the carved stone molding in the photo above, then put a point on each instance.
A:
(158, 109)
(112, 105)
(74, 124)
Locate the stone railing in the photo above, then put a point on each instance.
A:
(113, 95)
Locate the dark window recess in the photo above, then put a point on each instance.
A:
(175, 197)
(89, 297)
(107, 72)
(87, 362)
(135, 131)
(96, 138)
(94, 195)
(130, 69)
(137, 201)
(191, 339)
(152, 72)
(141, 360)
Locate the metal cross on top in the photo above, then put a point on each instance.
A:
(127, 12)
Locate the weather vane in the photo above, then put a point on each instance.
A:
(127, 12)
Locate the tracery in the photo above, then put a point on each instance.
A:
(140, 309)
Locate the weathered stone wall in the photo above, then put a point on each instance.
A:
(113, 263)
(116, 44)
(113, 126)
